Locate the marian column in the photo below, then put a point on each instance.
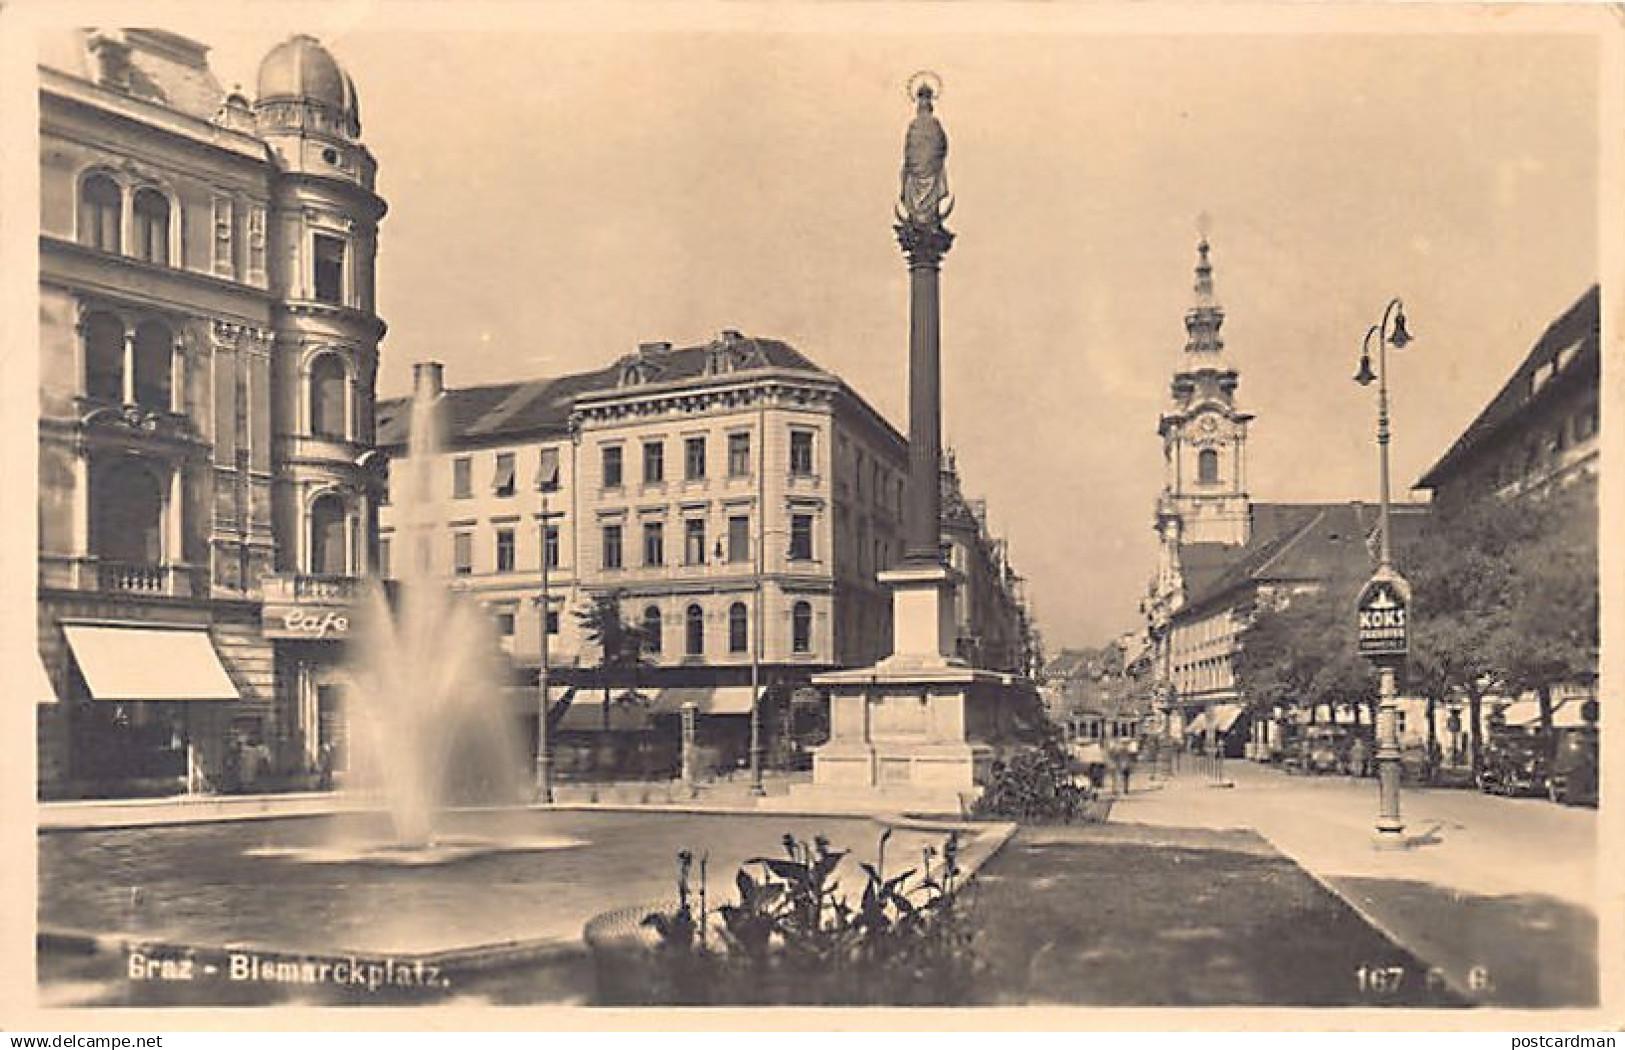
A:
(921, 208)
(917, 731)
(922, 586)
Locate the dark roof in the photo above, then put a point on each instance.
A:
(543, 406)
(1291, 543)
(1580, 326)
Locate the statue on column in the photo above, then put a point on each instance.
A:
(925, 201)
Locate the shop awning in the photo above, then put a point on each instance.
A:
(1224, 717)
(709, 700)
(149, 663)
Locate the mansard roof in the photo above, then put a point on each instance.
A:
(1569, 351)
(496, 412)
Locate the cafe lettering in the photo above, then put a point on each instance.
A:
(313, 624)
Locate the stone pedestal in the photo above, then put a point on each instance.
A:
(918, 731)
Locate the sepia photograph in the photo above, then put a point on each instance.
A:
(1060, 508)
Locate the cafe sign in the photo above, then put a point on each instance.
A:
(1384, 617)
(307, 622)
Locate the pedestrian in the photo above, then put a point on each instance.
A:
(1357, 757)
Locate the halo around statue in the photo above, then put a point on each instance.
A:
(924, 78)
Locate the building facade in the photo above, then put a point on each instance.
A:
(1537, 435)
(209, 342)
(994, 630)
(1541, 429)
(736, 499)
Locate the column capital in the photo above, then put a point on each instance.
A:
(924, 245)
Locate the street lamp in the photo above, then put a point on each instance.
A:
(547, 483)
(1387, 588)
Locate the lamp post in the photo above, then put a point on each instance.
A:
(547, 484)
(1383, 637)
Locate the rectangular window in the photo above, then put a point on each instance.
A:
(738, 538)
(505, 550)
(502, 483)
(654, 462)
(383, 557)
(612, 466)
(462, 553)
(739, 455)
(694, 458)
(801, 452)
(547, 471)
(654, 543)
(462, 478)
(801, 537)
(857, 476)
(550, 545)
(552, 621)
(329, 270)
(505, 623)
(612, 546)
(694, 541)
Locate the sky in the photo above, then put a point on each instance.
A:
(559, 193)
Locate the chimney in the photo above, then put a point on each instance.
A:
(428, 379)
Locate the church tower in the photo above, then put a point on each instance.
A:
(1204, 435)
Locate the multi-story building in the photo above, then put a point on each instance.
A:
(994, 630)
(1540, 430)
(209, 339)
(736, 498)
(1539, 433)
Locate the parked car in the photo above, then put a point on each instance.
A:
(1514, 762)
(1572, 778)
(1331, 750)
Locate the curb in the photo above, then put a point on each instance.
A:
(1452, 981)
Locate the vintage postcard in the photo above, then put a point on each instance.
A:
(1067, 516)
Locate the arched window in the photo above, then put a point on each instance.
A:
(1207, 467)
(694, 623)
(738, 631)
(154, 350)
(151, 211)
(652, 640)
(126, 512)
(104, 357)
(327, 536)
(101, 210)
(328, 394)
(801, 628)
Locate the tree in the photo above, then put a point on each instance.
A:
(1554, 627)
(620, 643)
(1504, 596)
(1300, 649)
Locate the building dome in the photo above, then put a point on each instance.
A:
(300, 69)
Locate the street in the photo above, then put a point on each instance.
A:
(1515, 934)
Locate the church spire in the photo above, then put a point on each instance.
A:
(1203, 321)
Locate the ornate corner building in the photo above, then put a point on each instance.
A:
(208, 348)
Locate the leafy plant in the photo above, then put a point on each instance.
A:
(1035, 786)
(794, 936)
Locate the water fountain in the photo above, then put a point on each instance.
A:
(430, 723)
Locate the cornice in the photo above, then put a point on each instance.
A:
(150, 116)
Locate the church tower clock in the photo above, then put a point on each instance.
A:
(1204, 435)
